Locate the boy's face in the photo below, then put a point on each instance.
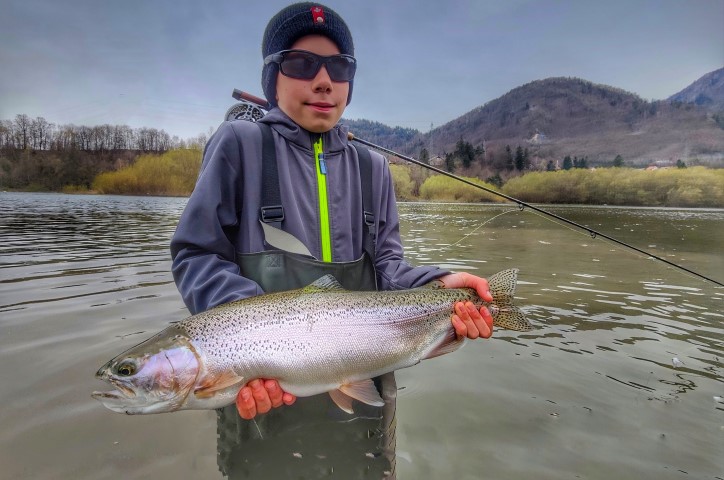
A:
(318, 104)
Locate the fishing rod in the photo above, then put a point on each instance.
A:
(522, 205)
(247, 98)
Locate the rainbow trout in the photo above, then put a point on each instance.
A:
(317, 339)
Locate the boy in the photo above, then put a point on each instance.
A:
(219, 250)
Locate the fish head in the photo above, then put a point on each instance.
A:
(153, 377)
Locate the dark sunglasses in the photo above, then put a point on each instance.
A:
(305, 65)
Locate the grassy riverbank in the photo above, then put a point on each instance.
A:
(172, 173)
(678, 187)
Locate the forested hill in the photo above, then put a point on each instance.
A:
(707, 92)
(380, 134)
(556, 117)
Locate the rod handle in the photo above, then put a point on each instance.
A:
(240, 95)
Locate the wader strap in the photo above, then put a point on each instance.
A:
(272, 211)
(369, 242)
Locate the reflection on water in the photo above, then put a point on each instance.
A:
(622, 377)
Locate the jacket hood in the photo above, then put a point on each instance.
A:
(334, 140)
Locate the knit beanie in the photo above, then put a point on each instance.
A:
(294, 22)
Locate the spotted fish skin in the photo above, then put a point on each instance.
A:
(320, 338)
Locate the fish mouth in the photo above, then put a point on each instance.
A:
(116, 401)
(111, 395)
(122, 389)
(122, 392)
(121, 400)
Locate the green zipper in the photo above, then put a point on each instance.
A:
(324, 230)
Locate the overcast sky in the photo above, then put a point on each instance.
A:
(172, 65)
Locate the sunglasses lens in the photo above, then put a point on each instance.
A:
(300, 65)
(305, 65)
(341, 69)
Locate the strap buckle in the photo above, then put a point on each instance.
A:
(369, 218)
(272, 214)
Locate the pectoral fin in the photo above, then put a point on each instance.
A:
(211, 386)
(448, 345)
(364, 391)
(343, 401)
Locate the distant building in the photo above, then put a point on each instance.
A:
(538, 138)
(437, 161)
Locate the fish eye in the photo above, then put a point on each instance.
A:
(126, 368)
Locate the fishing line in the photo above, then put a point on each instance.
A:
(578, 232)
(476, 229)
(639, 254)
(523, 205)
(257, 428)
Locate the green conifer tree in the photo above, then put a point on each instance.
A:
(567, 162)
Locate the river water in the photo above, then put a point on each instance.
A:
(623, 376)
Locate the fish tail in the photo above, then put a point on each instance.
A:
(510, 317)
(502, 286)
(505, 314)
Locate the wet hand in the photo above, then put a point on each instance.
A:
(468, 320)
(260, 396)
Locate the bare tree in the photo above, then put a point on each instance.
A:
(83, 134)
(164, 141)
(22, 131)
(65, 138)
(7, 134)
(40, 133)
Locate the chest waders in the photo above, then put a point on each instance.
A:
(312, 438)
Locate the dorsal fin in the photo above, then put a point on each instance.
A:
(502, 286)
(326, 283)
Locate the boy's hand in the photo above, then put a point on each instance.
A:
(469, 321)
(260, 396)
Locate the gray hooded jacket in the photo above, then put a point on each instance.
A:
(221, 218)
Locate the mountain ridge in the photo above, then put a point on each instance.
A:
(707, 91)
